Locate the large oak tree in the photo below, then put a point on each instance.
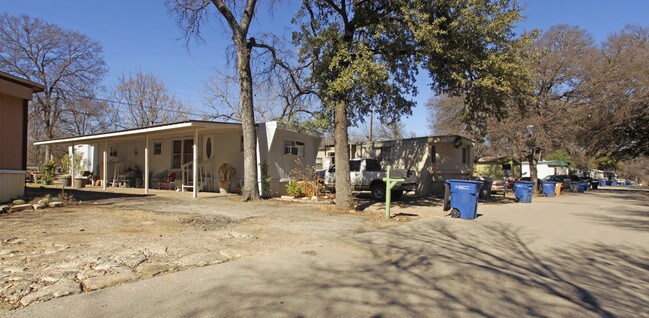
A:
(364, 56)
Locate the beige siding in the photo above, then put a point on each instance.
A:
(12, 185)
(11, 132)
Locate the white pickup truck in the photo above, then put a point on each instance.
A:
(367, 175)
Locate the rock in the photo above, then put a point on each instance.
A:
(106, 266)
(56, 199)
(50, 279)
(15, 240)
(13, 269)
(20, 207)
(18, 202)
(155, 250)
(62, 288)
(17, 291)
(7, 252)
(134, 260)
(56, 204)
(39, 206)
(100, 282)
(287, 197)
(201, 259)
(237, 235)
(4, 208)
(232, 253)
(151, 269)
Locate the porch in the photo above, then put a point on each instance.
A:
(196, 156)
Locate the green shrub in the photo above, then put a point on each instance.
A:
(294, 189)
(47, 172)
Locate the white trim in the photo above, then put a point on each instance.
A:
(13, 171)
(141, 131)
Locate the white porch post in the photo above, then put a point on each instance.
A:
(105, 167)
(195, 166)
(146, 165)
(71, 165)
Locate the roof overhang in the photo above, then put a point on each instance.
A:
(182, 127)
(18, 87)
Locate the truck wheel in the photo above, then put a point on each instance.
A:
(396, 194)
(378, 191)
(447, 196)
(455, 213)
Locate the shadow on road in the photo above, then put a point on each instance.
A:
(432, 269)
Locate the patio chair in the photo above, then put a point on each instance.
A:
(170, 180)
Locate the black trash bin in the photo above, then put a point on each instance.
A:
(574, 186)
(594, 184)
(485, 189)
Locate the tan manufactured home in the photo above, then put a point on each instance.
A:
(15, 94)
(432, 159)
(177, 156)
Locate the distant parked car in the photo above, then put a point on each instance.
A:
(496, 185)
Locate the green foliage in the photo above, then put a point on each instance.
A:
(559, 154)
(608, 163)
(293, 188)
(79, 163)
(265, 179)
(47, 172)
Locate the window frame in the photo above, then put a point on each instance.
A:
(157, 148)
(296, 146)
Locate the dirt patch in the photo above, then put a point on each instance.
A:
(51, 253)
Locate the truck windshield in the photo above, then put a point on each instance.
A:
(372, 165)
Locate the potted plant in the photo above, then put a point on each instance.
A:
(65, 180)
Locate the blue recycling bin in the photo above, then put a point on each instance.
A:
(614, 183)
(523, 191)
(548, 188)
(602, 183)
(464, 197)
(583, 186)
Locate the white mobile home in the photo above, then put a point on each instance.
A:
(172, 156)
(545, 168)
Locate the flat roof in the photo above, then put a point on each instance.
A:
(36, 87)
(138, 131)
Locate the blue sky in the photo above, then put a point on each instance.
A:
(142, 36)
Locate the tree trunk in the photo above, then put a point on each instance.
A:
(250, 189)
(533, 161)
(343, 184)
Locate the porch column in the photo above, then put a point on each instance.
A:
(146, 165)
(105, 167)
(195, 166)
(71, 154)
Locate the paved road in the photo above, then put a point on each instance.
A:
(580, 255)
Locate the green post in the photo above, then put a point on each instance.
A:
(389, 184)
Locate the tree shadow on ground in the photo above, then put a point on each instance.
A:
(82, 195)
(441, 269)
(629, 218)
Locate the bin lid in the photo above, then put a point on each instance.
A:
(463, 181)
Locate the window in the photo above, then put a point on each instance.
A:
(433, 154)
(384, 155)
(242, 143)
(293, 148)
(157, 148)
(372, 165)
(208, 148)
(465, 155)
(182, 152)
(355, 166)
